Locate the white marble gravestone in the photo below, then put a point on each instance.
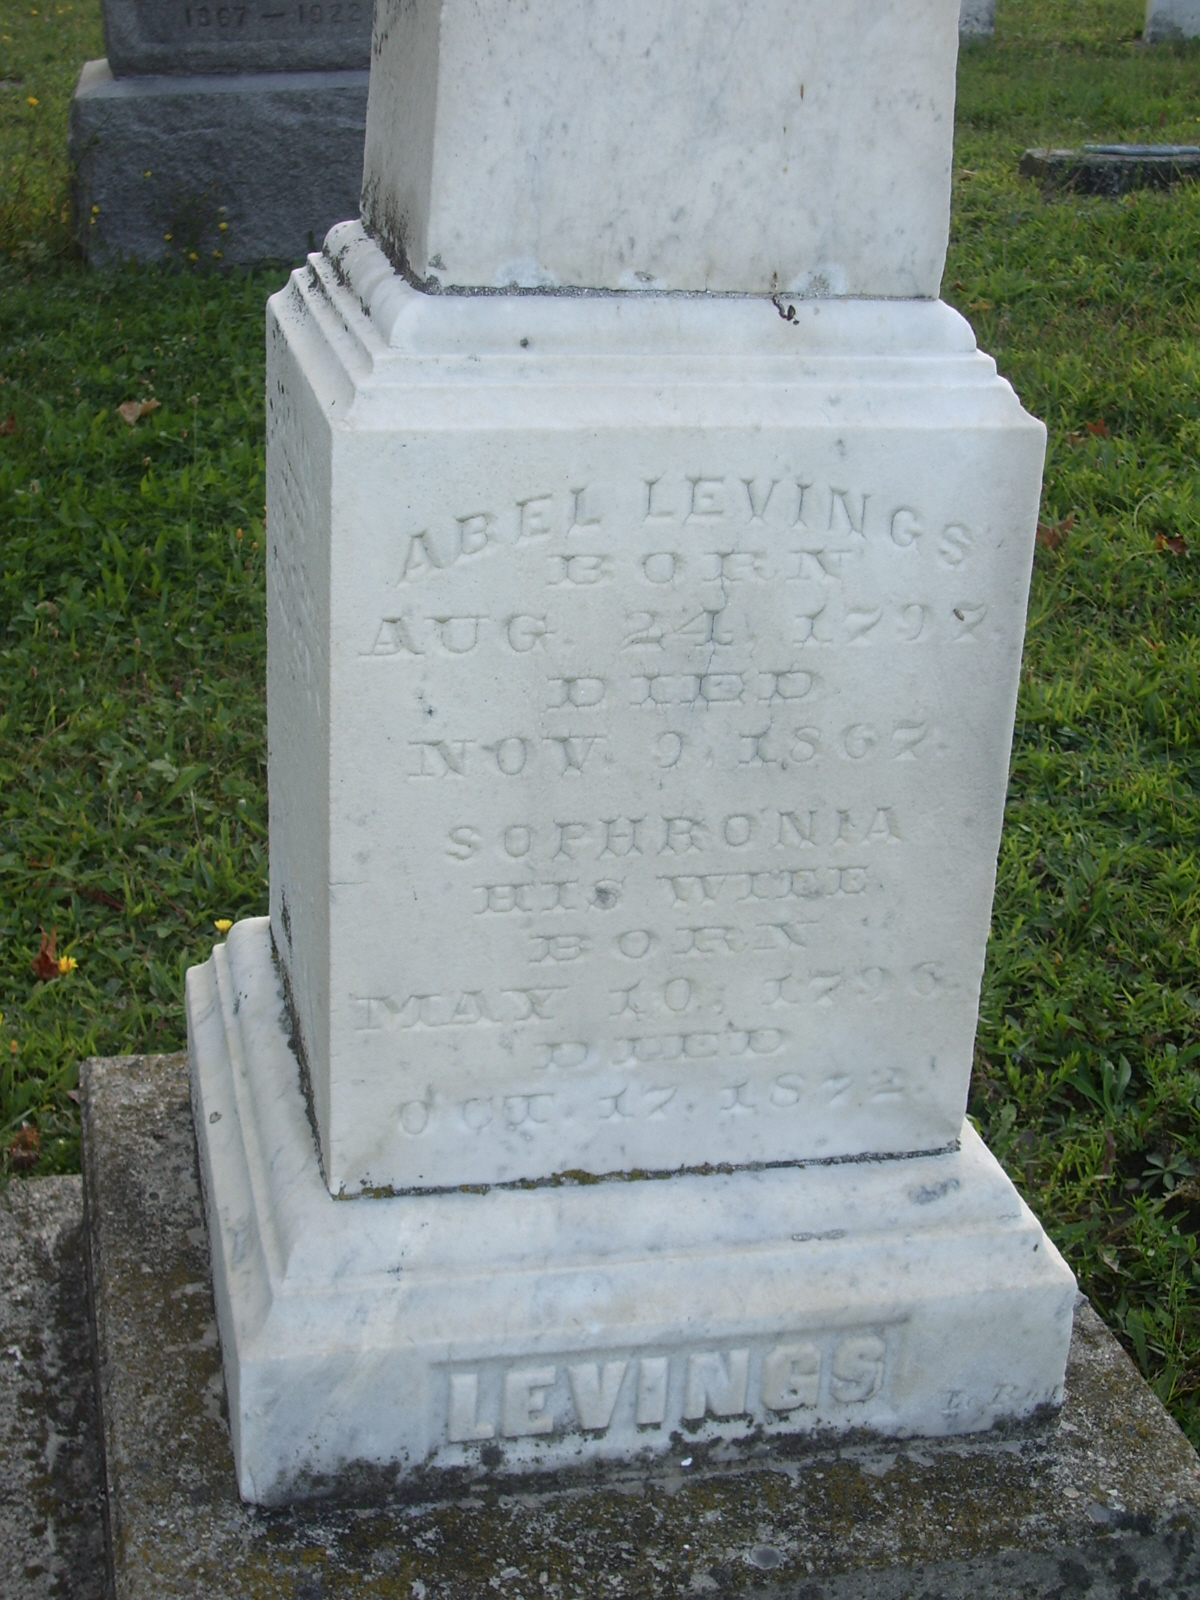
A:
(642, 665)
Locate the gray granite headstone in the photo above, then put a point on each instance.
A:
(220, 133)
(217, 168)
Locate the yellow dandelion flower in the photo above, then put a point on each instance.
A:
(223, 924)
(66, 964)
(31, 100)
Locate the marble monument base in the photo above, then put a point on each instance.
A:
(224, 167)
(548, 1325)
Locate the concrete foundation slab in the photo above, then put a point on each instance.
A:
(234, 167)
(1106, 1503)
(51, 1500)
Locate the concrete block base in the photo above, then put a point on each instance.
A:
(240, 167)
(51, 1501)
(1106, 1503)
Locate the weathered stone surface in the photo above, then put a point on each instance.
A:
(236, 168)
(746, 146)
(640, 681)
(51, 1496)
(200, 36)
(1112, 169)
(1106, 1504)
(1171, 19)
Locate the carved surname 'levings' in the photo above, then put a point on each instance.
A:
(532, 1398)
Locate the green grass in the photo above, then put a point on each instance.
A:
(131, 643)
(1086, 1081)
(132, 732)
(42, 48)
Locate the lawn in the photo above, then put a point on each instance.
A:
(132, 776)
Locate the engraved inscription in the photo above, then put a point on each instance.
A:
(828, 524)
(684, 754)
(211, 23)
(777, 1381)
